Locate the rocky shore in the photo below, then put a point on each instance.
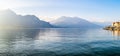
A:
(111, 28)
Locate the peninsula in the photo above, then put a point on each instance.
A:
(114, 26)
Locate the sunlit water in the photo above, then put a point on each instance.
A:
(59, 42)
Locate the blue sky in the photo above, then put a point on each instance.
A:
(93, 10)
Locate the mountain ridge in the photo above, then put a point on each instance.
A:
(73, 22)
(8, 18)
(11, 19)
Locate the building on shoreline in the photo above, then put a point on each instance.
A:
(116, 24)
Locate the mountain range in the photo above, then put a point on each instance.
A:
(9, 19)
(73, 22)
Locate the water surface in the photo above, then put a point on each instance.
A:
(59, 42)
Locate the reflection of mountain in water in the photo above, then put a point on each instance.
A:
(34, 41)
(9, 40)
(19, 33)
(58, 42)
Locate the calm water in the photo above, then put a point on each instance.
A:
(59, 42)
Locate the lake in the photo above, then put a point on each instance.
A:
(59, 42)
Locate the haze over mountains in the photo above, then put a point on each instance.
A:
(103, 24)
(73, 22)
(9, 19)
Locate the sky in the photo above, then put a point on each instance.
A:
(92, 10)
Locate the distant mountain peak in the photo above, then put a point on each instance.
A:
(73, 22)
(9, 19)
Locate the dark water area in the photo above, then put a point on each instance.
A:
(59, 42)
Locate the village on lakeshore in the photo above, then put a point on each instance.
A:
(114, 26)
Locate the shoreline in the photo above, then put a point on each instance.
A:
(111, 28)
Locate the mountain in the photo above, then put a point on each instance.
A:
(73, 22)
(9, 19)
